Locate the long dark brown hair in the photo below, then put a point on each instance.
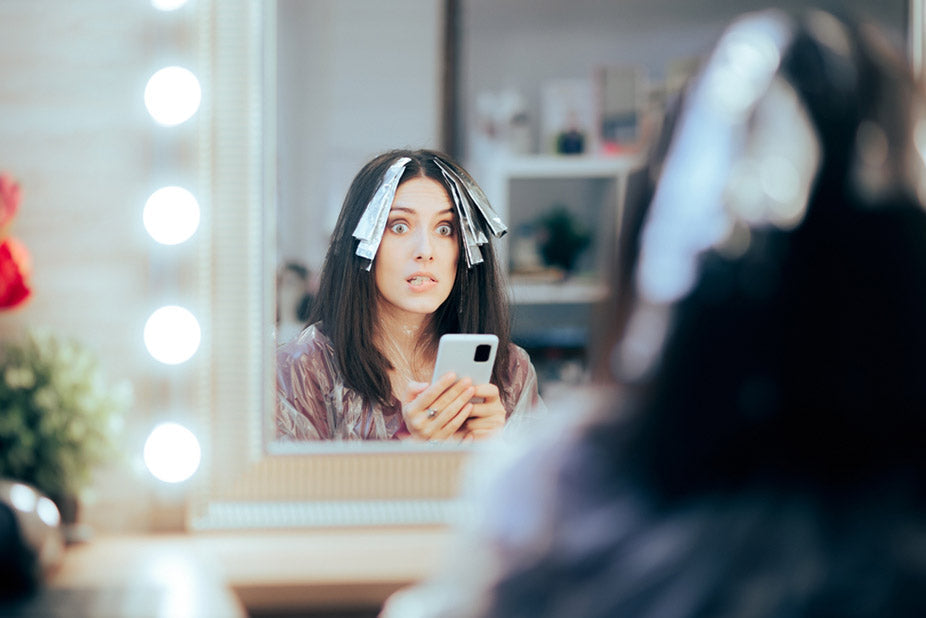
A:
(346, 304)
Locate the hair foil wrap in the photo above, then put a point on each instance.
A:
(372, 224)
(465, 195)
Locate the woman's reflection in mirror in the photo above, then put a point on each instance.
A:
(410, 260)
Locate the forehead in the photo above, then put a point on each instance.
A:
(422, 195)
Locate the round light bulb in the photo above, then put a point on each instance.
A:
(172, 453)
(172, 95)
(48, 511)
(23, 497)
(171, 215)
(172, 334)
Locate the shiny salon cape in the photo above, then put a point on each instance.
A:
(313, 403)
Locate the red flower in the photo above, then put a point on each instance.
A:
(14, 271)
(9, 200)
(15, 265)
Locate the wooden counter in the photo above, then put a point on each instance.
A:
(326, 572)
(343, 569)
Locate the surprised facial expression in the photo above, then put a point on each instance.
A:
(416, 264)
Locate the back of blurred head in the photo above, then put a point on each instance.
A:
(764, 455)
(767, 453)
(776, 331)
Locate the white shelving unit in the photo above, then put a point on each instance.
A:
(568, 292)
(513, 183)
(552, 318)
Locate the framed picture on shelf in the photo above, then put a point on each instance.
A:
(621, 95)
(567, 116)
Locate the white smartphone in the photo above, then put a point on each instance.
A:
(469, 356)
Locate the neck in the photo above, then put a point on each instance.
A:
(406, 329)
(407, 340)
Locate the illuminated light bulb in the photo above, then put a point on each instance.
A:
(171, 215)
(172, 95)
(167, 5)
(23, 497)
(172, 334)
(48, 512)
(172, 453)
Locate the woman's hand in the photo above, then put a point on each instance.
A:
(486, 418)
(437, 411)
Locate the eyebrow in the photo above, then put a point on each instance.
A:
(414, 212)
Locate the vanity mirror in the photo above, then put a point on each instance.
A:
(268, 167)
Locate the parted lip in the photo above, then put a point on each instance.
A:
(423, 274)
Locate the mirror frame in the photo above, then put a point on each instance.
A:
(241, 484)
(916, 36)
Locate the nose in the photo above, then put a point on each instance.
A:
(424, 248)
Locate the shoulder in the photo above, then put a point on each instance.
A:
(310, 342)
(305, 375)
(520, 392)
(520, 370)
(517, 352)
(518, 359)
(305, 356)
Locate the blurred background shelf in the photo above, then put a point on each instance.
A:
(565, 166)
(526, 292)
(554, 307)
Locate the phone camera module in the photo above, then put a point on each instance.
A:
(482, 353)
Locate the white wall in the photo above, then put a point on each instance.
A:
(355, 78)
(521, 43)
(75, 133)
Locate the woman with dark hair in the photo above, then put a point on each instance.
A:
(409, 261)
(763, 450)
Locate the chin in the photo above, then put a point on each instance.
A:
(423, 305)
(423, 308)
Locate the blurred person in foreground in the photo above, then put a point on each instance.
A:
(762, 449)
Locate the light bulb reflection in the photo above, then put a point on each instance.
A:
(172, 453)
(23, 497)
(48, 512)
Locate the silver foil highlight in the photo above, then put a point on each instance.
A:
(372, 223)
(466, 194)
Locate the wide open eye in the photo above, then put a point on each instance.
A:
(399, 227)
(445, 229)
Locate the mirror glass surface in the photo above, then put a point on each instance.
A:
(357, 77)
(353, 78)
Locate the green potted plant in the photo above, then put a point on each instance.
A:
(564, 238)
(59, 416)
